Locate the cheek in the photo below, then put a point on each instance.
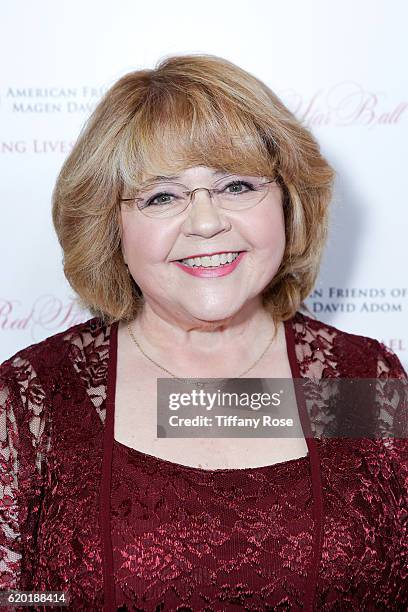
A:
(142, 243)
(268, 231)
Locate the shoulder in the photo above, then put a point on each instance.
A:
(66, 365)
(48, 354)
(353, 354)
(356, 356)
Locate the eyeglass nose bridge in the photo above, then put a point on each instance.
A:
(210, 191)
(191, 194)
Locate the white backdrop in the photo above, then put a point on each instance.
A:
(338, 65)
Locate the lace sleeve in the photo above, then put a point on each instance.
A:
(22, 454)
(10, 537)
(389, 367)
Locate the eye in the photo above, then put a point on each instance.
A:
(238, 184)
(151, 200)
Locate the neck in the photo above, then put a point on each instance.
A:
(226, 345)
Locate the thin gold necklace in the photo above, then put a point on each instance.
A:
(186, 379)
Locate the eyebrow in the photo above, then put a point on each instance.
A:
(159, 177)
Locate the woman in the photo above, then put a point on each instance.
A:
(194, 158)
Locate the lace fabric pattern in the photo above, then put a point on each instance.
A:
(53, 401)
(210, 540)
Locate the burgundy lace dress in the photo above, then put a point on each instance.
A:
(118, 529)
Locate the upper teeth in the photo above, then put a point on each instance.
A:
(210, 260)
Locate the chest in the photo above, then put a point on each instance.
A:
(135, 423)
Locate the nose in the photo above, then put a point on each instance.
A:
(204, 217)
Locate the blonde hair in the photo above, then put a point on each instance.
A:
(190, 110)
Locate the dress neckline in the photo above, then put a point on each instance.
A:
(129, 451)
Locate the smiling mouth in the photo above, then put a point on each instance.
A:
(206, 262)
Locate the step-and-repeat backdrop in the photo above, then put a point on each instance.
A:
(338, 66)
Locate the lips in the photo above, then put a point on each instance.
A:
(211, 272)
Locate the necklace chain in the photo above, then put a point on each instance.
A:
(183, 379)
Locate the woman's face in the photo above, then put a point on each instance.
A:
(151, 247)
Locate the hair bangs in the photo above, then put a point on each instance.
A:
(175, 130)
